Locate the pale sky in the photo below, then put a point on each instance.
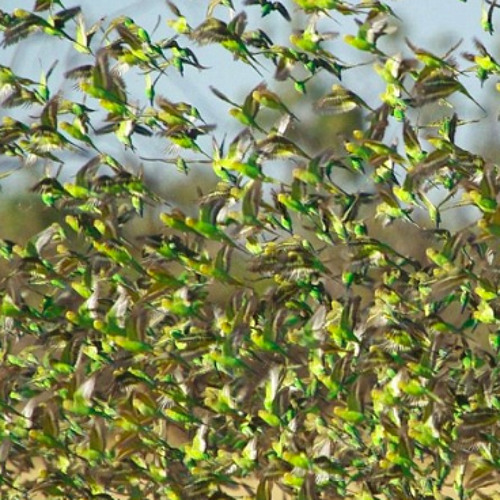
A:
(430, 24)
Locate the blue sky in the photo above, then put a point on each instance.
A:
(431, 24)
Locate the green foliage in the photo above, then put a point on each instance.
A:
(324, 333)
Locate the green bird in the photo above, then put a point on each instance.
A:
(185, 136)
(179, 25)
(258, 39)
(176, 113)
(276, 146)
(78, 130)
(244, 113)
(10, 131)
(123, 129)
(266, 7)
(215, 3)
(100, 82)
(269, 99)
(309, 39)
(23, 23)
(375, 26)
(84, 36)
(176, 219)
(432, 61)
(229, 36)
(181, 56)
(50, 190)
(139, 49)
(9, 78)
(44, 136)
(171, 247)
(264, 341)
(320, 5)
(435, 84)
(118, 253)
(340, 100)
(486, 65)
(14, 89)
